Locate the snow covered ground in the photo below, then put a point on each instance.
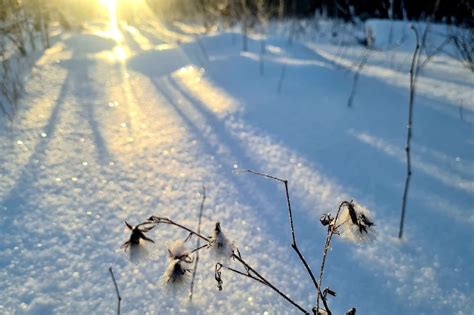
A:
(126, 123)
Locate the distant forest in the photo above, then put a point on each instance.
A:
(450, 11)
(459, 12)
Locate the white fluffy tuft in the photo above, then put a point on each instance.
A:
(177, 249)
(354, 232)
(221, 248)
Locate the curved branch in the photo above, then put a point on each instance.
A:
(294, 244)
(265, 282)
(331, 231)
(413, 76)
(162, 220)
(119, 298)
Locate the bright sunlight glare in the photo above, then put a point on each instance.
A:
(113, 31)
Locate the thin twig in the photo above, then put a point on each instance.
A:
(361, 65)
(413, 75)
(119, 298)
(266, 282)
(332, 228)
(162, 220)
(262, 53)
(282, 77)
(201, 46)
(435, 52)
(198, 247)
(248, 275)
(294, 244)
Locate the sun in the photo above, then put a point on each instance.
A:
(111, 7)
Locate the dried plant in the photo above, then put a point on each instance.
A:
(282, 78)
(178, 271)
(354, 223)
(413, 76)
(416, 67)
(363, 61)
(119, 297)
(198, 243)
(21, 22)
(136, 242)
(351, 222)
(465, 47)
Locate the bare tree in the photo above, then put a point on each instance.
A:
(244, 21)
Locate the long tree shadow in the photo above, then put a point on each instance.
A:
(151, 36)
(85, 92)
(276, 215)
(228, 135)
(326, 116)
(384, 192)
(270, 210)
(18, 199)
(84, 89)
(329, 115)
(21, 197)
(307, 227)
(130, 40)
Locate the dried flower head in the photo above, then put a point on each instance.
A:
(177, 272)
(220, 246)
(326, 219)
(351, 311)
(320, 311)
(355, 223)
(177, 250)
(136, 242)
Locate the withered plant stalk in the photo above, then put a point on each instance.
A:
(119, 298)
(332, 229)
(198, 245)
(250, 271)
(413, 75)
(294, 244)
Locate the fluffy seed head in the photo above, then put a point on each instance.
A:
(136, 242)
(219, 245)
(178, 271)
(176, 274)
(355, 223)
(177, 250)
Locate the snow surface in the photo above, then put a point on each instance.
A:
(121, 128)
